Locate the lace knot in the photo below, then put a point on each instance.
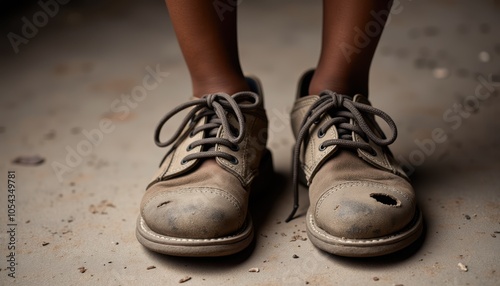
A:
(337, 100)
(210, 98)
(217, 108)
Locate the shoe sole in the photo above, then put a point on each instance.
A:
(176, 246)
(352, 247)
(209, 247)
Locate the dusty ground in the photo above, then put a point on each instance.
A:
(76, 212)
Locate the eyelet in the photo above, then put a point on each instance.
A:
(189, 148)
(322, 147)
(234, 160)
(321, 134)
(191, 134)
(183, 162)
(235, 148)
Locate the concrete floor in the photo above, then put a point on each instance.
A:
(431, 63)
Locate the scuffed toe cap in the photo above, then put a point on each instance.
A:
(198, 213)
(363, 210)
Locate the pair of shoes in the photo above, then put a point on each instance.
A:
(362, 203)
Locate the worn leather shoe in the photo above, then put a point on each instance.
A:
(361, 202)
(197, 203)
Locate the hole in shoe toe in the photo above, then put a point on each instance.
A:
(386, 199)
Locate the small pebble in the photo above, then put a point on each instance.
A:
(467, 217)
(462, 267)
(45, 243)
(440, 73)
(376, 279)
(295, 256)
(151, 267)
(254, 269)
(82, 269)
(484, 57)
(185, 279)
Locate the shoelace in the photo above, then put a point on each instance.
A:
(341, 109)
(216, 108)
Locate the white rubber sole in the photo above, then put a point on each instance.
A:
(364, 247)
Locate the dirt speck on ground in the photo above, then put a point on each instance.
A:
(376, 278)
(150, 267)
(33, 160)
(76, 130)
(298, 237)
(45, 243)
(185, 279)
(50, 135)
(254, 269)
(82, 269)
(101, 207)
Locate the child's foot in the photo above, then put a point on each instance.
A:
(197, 203)
(362, 203)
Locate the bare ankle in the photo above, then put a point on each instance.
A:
(318, 84)
(225, 85)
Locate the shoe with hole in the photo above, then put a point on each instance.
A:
(197, 203)
(361, 202)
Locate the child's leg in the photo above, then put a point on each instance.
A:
(348, 45)
(209, 45)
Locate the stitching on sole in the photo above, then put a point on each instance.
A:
(150, 232)
(320, 232)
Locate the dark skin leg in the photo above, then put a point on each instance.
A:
(345, 59)
(209, 45)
